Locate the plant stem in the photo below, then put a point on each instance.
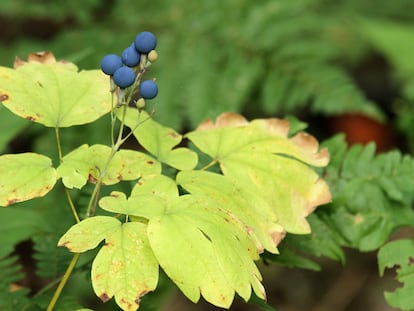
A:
(63, 282)
(59, 147)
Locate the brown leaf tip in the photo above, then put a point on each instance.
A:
(226, 119)
(104, 297)
(279, 127)
(44, 57)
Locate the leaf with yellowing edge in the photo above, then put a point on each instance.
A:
(25, 176)
(55, 94)
(205, 249)
(89, 163)
(125, 266)
(259, 156)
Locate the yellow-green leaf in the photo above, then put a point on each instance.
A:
(55, 94)
(159, 140)
(25, 176)
(247, 205)
(205, 251)
(125, 266)
(89, 164)
(259, 156)
(149, 197)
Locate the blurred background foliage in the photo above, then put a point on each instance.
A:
(340, 66)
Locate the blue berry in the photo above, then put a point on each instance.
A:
(130, 56)
(110, 63)
(124, 77)
(145, 42)
(148, 89)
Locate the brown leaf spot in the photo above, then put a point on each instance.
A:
(104, 297)
(3, 97)
(358, 219)
(18, 62)
(12, 201)
(66, 244)
(150, 162)
(31, 118)
(173, 134)
(277, 236)
(92, 179)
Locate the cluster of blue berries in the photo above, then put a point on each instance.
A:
(134, 60)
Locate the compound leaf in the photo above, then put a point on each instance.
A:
(259, 156)
(372, 194)
(25, 176)
(213, 248)
(55, 94)
(88, 162)
(399, 253)
(125, 267)
(159, 140)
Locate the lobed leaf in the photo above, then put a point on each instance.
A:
(125, 267)
(25, 176)
(88, 163)
(87, 234)
(213, 248)
(399, 253)
(247, 205)
(55, 94)
(159, 140)
(259, 156)
(149, 197)
(373, 194)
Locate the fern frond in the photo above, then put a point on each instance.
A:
(51, 261)
(372, 194)
(11, 298)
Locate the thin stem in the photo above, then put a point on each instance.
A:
(59, 147)
(63, 282)
(72, 206)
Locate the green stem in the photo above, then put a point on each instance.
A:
(59, 147)
(63, 282)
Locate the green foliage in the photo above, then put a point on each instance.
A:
(399, 253)
(268, 58)
(11, 298)
(25, 176)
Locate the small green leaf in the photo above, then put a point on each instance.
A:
(125, 267)
(88, 163)
(55, 94)
(213, 248)
(88, 233)
(149, 197)
(159, 140)
(399, 253)
(25, 176)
